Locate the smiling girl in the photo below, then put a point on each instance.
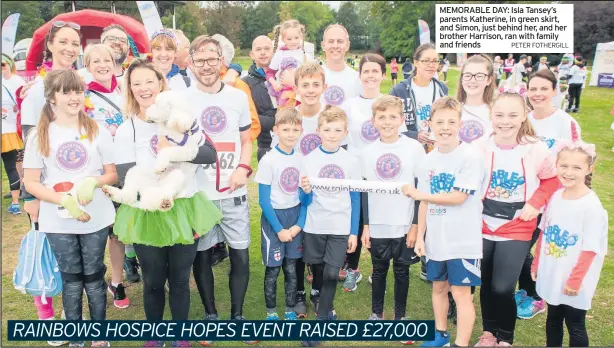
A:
(521, 179)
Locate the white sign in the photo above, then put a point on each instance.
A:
(9, 30)
(511, 28)
(151, 17)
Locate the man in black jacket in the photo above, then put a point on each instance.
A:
(261, 53)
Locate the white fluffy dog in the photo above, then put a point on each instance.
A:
(158, 186)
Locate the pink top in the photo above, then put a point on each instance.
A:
(394, 67)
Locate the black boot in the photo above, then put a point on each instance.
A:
(131, 266)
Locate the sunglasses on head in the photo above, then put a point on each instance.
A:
(62, 24)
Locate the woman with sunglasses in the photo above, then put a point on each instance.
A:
(163, 53)
(164, 241)
(12, 146)
(103, 101)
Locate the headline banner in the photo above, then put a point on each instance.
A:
(221, 330)
(342, 185)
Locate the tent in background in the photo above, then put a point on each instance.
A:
(602, 74)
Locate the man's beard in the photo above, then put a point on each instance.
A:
(120, 58)
(200, 80)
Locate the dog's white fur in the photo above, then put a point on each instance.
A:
(160, 185)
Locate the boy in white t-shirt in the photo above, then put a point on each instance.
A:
(389, 225)
(451, 210)
(283, 217)
(331, 227)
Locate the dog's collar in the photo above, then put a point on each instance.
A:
(186, 135)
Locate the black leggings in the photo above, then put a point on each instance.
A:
(300, 275)
(501, 267)
(10, 166)
(401, 287)
(270, 285)
(525, 282)
(328, 276)
(158, 265)
(354, 258)
(576, 325)
(238, 279)
(575, 91)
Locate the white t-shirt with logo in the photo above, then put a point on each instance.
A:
(558, 126)
(9, 103)
(569, 228)
(425, 97)
(475, 123)
(106, 115)
(361, 129)
(289, 59)
(281, 172)
(222, 116)
(309, 139)
(453, 232)
(330, 212)
(72, 158)
(341, 86)
(390, 216)
(139, 144)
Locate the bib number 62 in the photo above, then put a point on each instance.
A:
(226, 162)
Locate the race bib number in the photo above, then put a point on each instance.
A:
(228, 163)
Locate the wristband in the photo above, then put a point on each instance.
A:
(246, 167)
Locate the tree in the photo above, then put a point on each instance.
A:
(258, 20)
(224, 17)
(314, 15)
(592, 24)
(187, 19)
(348, 17)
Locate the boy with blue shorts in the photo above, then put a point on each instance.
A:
(283, 217)
(451, 209)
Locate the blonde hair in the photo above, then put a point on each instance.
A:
(288, 116)
(132, 106)
(201, 41)
(332, 114)
(387, 102)
(446, 103)
(526, 133)
(281, 29)
(11, 63)
(489, 91)
(99, 48)
(58, 81)
(590, 159)
(163, 40)
(309, 69)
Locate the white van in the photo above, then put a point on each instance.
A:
(20, 51)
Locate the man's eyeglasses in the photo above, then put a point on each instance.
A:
(61, 24)
(429, 62)
(199, 63)
(478, 76)
(114, 39)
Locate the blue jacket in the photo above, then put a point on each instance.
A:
(403, 90)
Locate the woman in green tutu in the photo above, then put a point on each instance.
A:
(165, 241)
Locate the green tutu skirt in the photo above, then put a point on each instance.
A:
(189, 219)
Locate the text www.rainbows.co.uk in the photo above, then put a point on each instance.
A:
(349, 188)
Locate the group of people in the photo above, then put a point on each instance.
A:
(494, 164)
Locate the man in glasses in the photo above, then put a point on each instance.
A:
(116, 37)
(222, 112)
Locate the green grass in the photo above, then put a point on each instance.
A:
(595, 120)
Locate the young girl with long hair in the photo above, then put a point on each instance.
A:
(522, 177)
(68, 146)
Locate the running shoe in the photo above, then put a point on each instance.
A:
(407, 343)
(120, 300)
(240, 317)
(300, 307)
(181, 344)
(272, 316)
(290, 316)
(351, 280)
(374, 316)
(208, 317)
(441, 340)
(14, 209)
(487, 340)
(519, 296)
(530, 307)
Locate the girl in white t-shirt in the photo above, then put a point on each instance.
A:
(75, 156)
(103, 102)
(163, 52)
(289, 57)
(477, 81)
(571, 250)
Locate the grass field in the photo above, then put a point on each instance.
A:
(595, 120)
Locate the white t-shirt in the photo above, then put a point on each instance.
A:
(390, 216)
(558, 126)
(9, 103)
(32, 105)
(475, 123)
(139, 145)
(453, 232)
(176, 83)
(281, 172)
(72, 159)
(425, 96)
(362, 132)
(578, 75)
(570, 227)
(342, 85)
(222, 116)
(330, 212)
(446, 66)
(106, 115)
(518, 70)
(289, 59)
(309, 139)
